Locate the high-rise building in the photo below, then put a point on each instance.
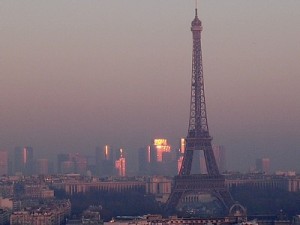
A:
(144, 159)
(3, 162)
(220, 155)
(163, 161)
(203, 169)
(67, 167)
(104, 161)
(161, 148)
(42, 166)
(72, 163)
(80, 163)
(61, 158)
(263, 165)
(24, 163)
(182, 145)
(120, 164)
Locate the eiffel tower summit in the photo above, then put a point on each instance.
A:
(198, 194)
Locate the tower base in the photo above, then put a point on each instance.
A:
(199, 195)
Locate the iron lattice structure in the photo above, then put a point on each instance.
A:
(198, 138)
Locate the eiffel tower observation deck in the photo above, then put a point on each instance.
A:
(202, 195)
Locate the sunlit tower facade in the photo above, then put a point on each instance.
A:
(120, 164)
(163, 159)
(161, 148)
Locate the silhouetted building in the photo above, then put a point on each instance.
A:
(72, 163)
(67, 167)
(144, 161)
(220, 155)
(3, 162)
(60, 159)
(24, 163)
(104, 161)
(42, 166)
(263, 165)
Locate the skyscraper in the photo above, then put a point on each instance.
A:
(220, 155)
(72, 163)
(263, 165)
(104, 161)
(42, 166)
(161, 148)
(61, 158)
(163, 159)
(144, 160)
(23, 162)
(120, 164)
(3, 162)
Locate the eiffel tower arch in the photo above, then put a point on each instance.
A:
(198, 194)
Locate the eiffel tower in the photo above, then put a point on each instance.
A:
(198, 194)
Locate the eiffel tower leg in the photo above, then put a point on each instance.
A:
(186, 165)
(211, 164)
(173, 201)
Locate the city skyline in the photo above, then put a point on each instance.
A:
(76, 75)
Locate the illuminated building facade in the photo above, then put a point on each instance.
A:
(120, 165)
(163, 161)
(161, 148)
(182, 145)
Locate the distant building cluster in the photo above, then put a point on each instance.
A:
(27, 184)
(159, 158)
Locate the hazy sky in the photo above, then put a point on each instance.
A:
(75, 74)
